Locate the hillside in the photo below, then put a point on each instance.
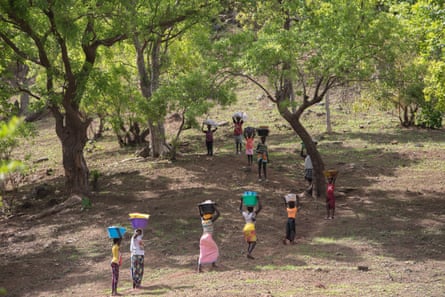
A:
(390, 215)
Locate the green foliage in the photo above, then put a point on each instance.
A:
(410, 69)
(429, 117)
(193, 81)
(113, 96)
(11, 134)
(435, 84)
(284, 46)
(194, 93)
(95, 174)
(8, 132)
(427, 20)
(86, 203)
(9, 140)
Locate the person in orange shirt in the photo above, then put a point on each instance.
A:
(249, 147)
(292, 210)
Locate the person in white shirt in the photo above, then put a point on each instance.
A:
(137, 258)
(249, 227)
(308, 168)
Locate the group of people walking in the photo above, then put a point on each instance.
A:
(240, 135)
(209, 251)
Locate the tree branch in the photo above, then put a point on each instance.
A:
(272, 98)
(20, 53)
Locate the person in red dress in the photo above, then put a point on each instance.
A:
(330, 199)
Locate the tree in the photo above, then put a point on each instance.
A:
(304, 49)
(409, 72)
(428, 17)
(157, 24)
(59, 40)
(114, 98)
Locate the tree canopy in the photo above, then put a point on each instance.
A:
(132, 62)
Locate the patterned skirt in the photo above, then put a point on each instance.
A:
(137, 269)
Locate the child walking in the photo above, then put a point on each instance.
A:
(238, 133)
(209, 138)
(249, 147)
(208, 250)
(249, 227)
(115, 263)
(263, 158)
(330, 198)
(292, 203)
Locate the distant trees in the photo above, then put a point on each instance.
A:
(411, 69)
(157, 27)
(133, 62)
(304, 49)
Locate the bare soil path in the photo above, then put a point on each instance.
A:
(390, 221)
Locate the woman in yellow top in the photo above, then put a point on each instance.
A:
(115, 263)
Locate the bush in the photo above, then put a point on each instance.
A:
(429, 117)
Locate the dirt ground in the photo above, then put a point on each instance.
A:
(387, 238)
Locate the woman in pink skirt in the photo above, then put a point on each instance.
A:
(208, 250)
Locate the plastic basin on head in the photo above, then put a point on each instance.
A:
(291, 197)
(139, 220)
(332, 173)
(116, 232)
(206, 208)
(262, 131)
(138, 223)
(250, 198)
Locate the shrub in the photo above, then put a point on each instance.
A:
(429, 117)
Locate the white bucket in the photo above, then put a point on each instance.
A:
(240, 114)
(290, 197)
(210, 122)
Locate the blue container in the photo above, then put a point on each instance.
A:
(116, 232)
(250, 198)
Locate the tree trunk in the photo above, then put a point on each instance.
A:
(71, 129)
(157, 138)
(293, 119)
(149, 84)
(328, 114)
(76, 169)
(319, 188)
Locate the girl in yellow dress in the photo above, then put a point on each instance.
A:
(249, 227)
